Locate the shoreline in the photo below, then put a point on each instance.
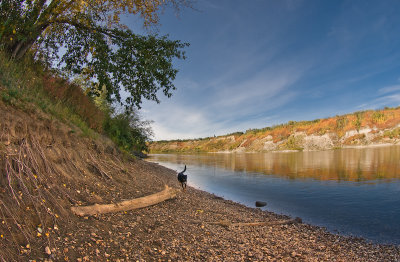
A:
(292, 151)
(281, 215)
(185, 233)
(372, 145)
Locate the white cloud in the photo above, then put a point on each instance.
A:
(224, 110)
(380, 102)
(389, 89)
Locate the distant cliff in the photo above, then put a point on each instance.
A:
(363, 128)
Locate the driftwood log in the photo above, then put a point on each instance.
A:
(227, 223)
(136, 203)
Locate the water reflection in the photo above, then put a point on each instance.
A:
(341, 165)
(353, 191)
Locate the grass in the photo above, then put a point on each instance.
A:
(26, 86)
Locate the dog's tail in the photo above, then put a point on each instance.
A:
(184, 169)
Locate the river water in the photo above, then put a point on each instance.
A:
(349, 191)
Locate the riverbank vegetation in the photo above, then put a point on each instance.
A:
(358, 128)
(73, 59)
(26, 85)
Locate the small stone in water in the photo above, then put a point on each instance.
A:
(261, 203)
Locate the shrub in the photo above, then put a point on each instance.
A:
(395, 133)
(378, 117)
(128, 131)
(73, 96)
(341, 122)
(354, 139)
(358, 121)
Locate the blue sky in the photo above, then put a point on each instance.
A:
(259, 63)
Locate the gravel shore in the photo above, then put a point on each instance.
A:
(182, 229)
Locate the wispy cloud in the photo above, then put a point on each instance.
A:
(389, 89)
(387, 96)
(256, 65)
(225, 108)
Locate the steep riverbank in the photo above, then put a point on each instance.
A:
(367, 128)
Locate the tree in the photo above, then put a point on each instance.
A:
(128, 131)
(94, 43)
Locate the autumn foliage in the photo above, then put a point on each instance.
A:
(72, 95)
(346, 129)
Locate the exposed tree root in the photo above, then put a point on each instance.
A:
(135, 203)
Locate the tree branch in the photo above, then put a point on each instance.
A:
(227, 223)
(136, 203)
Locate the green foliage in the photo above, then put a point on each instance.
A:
(141, 64)
(358, 121)
(294, 143)
(235, 134)
(95, 44)
(67, 102)
(9, 96)
(378, 117)
(128, 131)
(395, 133)
(341, 122)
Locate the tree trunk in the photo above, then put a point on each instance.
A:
(16, 50)
(22, 49)
(135, 203)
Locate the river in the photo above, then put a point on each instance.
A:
(354, 191)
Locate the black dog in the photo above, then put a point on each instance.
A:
(182, 178)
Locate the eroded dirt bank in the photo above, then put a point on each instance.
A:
(47, 167)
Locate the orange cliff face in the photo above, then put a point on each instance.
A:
(362, 128)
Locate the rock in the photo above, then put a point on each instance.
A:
(47, 250)
(261, 204)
